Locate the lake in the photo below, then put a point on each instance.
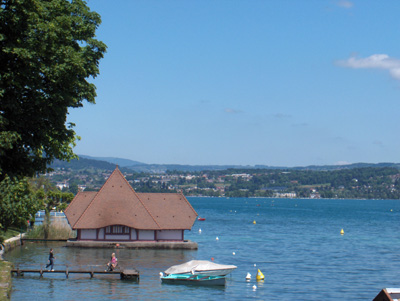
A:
(296, 243)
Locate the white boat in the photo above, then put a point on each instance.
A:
(190, 279)
(201, 267)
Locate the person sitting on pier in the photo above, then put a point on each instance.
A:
(112, 264)
(51, 260)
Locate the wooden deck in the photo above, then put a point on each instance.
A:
(131, 273)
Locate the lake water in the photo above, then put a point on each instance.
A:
(296, 243)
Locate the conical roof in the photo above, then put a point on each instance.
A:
(117, 203)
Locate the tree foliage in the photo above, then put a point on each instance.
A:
(48, 54)
(17, 203)
(49, 197)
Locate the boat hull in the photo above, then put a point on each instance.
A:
(200, 267)
(197, 280)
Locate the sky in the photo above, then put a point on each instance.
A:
(278, 83)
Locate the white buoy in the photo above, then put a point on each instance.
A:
(254, 287)
(248, 276)
(255, 265)
(199, 230)
(233, 253)
(217, 238)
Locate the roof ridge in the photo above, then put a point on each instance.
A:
(148, 211)
(190, 205)
(73, 200)
(75, 197)
(91, 202)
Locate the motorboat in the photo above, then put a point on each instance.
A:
(201, 219)
(201, 267)
(190, 279)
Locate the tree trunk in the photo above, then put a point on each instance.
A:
(46, 224)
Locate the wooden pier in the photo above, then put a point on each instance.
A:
(131, 274)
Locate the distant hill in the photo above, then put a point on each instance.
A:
(109, 163)
(118, 161)
(83, 163)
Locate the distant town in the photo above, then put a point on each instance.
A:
(375, 182)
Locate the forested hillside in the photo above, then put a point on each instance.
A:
(376, 182)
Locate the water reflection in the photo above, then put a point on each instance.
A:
(50, 289)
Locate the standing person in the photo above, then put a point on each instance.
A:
(111, 265)
(51, 260)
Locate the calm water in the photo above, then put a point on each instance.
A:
(295, 243)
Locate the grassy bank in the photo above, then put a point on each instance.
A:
(5, 280)
(8, 234)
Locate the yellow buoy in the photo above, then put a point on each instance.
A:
(254, 222)
(341, 232)
(260, 276)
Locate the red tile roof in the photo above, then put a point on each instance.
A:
(79, 204)
(117, 203)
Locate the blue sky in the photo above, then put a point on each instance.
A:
(279, 83)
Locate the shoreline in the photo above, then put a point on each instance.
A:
(6, 266)
(175, 245)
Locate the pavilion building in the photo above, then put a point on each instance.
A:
(118, 214)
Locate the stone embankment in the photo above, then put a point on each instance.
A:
(5, 267)
(184, 245)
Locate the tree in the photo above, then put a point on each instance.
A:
(17, 203)
(49, 197)
(54, 199)
(48, 54)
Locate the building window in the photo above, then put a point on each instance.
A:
(117, 229)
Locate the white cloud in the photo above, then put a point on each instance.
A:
(375, 61)
(345, 4)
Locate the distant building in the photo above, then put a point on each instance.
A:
(81, 187)
(242, 175)
(62, 185)
(117, 213)
(285, 195)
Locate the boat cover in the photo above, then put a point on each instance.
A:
(198, 265)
